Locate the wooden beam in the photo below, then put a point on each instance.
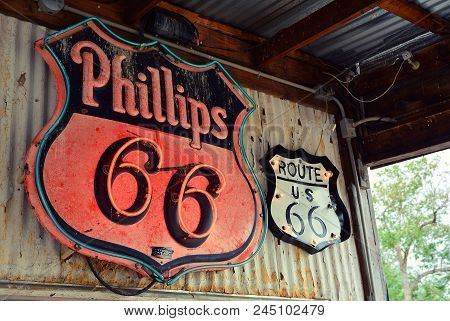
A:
(216, 39)
(415, 14)
(137, 9)
(311, 28)
(419, 101)
(208, 27)
(422, 136)
(228, 42)
(433, 58)
(416, 93)
(413, 98)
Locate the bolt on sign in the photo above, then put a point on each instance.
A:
(142, 163)
(303, 200)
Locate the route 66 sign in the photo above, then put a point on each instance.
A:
(304, 204)
(142, 162)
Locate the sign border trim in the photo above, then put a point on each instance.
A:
(158, 276)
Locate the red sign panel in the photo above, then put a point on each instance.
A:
(141, 163)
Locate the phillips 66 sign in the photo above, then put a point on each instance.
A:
(142, 162)
(305, 207)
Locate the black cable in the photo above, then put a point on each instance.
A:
(123, 292)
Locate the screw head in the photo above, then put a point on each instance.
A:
(327, 174)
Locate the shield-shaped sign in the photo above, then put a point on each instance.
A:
(304, 204)
(142, 163)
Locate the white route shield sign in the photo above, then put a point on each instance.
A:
(304, 204)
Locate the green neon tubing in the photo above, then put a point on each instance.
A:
(158, 276)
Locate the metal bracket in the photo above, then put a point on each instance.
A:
(323, 92)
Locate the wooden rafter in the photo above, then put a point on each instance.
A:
(311, 28)
(138, 8)
(419, 137)
(415, 14)
(216, 39)
(434, 58)
(419, 101)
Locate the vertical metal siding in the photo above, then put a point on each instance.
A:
(29, 255)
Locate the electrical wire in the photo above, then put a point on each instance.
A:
(341, 81)
(379, 96)
(119, 291)
(323, 127)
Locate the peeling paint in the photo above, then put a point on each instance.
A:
(22, 79)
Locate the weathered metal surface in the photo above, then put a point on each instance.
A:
(29, 255)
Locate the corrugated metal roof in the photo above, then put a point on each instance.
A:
(357, 41)
(439, 7)
(29, 255)
(262, 17)
(376, 32)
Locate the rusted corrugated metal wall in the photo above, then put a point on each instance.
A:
(28, 255)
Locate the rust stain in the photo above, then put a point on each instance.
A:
(321, 146)
(274, 277)
(265, 276)
(283, 289)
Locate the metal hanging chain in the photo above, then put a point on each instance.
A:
(119, 291)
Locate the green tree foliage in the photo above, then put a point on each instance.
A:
(412, 206)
